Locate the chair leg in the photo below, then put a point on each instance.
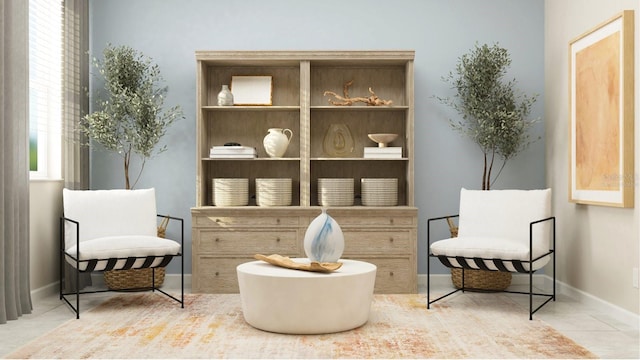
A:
(530, 294)
(428, 282)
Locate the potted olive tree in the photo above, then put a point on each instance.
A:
(495, 116)
(129, 118)
(493, 113)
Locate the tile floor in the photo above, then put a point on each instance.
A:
(591, 328)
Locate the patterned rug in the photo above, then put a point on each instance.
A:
(147, 325)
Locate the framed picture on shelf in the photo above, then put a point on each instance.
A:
(601, 97)
(251, 90)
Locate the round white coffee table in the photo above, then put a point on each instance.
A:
(291, 301)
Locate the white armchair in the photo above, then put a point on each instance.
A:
(499, 230)
(114, 230)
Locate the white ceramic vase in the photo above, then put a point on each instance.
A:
(324, 241)
(225, 97)
(276, 141)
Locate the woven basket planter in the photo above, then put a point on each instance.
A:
(478, 279)
(137, 278)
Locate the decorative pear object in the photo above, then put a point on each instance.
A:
(276, 141)
(324, 241)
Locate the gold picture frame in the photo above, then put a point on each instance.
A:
(251, 90)
(601, 101)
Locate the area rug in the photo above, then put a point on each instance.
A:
(148, 325)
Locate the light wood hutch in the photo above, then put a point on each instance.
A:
(224, 237)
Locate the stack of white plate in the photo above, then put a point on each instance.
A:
(230, 192)
(273, 192)
(335, 191)
(379, 192)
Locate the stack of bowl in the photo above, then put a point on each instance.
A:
(335, 191)
(273, 192)
(230, 192)
(379, 192)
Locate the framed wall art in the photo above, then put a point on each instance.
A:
(251, 90)
(601, 97)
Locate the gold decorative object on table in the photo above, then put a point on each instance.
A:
(137, 278)
(372, 100)
(478, 279)
(284, 261)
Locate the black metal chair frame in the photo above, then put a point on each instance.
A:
(112, 262)
(464, 262)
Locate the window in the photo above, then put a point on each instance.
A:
(45, 88)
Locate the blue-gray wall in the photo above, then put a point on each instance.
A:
(170, 31)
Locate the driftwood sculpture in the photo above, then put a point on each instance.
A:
(345, 100)
(284, 261)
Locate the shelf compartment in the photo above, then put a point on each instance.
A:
(249, 129)
(285, 81)
(358, 169)
(386, 81)
(359, 127)
(252, 169)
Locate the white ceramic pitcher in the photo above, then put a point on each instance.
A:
(276, 141)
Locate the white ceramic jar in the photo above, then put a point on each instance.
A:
(276, 141)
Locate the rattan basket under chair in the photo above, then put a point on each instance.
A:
(478, 279)
(137, 278)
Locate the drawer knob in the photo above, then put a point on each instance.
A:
(390, 273)
(391, 239)
(217, 273)
(391, 221)
(218, 220)
(217, 239)
(278, 221)
(277, 239)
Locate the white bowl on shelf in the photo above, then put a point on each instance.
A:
(383, 139)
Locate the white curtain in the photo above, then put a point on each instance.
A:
(75, 104)
(15, 292)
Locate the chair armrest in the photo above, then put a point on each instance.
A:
(63, 233)
(553, 236)
(181, 228)
(429, 226)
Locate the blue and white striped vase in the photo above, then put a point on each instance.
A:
(324, 241)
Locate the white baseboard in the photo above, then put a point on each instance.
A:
(544, 282)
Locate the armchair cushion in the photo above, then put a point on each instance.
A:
(109, 213)
(494, 224)
(145, 248)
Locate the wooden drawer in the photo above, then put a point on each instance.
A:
(247, 241)
(247, 221)
(216, 275)
(393, 275)
(374, 221)
(377, 242)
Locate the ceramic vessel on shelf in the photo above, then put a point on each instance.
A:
(383, 139)
(324, 241)
(338, 140)
(225, 97)
(276, 141)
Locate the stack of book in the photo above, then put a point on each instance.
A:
(391, 152)
(233, 152)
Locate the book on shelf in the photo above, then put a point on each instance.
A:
(394, 152)
(232, 156)
(233, 152)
